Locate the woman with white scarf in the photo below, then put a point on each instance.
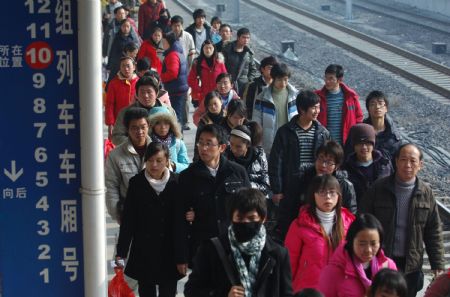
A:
(148, 225)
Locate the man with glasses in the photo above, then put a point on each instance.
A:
(405, 206)
(388, 138)
(340, 108)
(328, 160)
(204, 188)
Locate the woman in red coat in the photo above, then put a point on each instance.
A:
(204, 71)
(151, 47)
(317, 232)
(121, 91)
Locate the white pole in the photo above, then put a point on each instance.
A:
(349, 13)
(92, 175)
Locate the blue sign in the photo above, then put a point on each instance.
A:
(41, 250)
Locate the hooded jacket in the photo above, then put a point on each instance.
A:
(174, 70)
(120, 94)
(351, 109)
(309, 251)
(265, 114)
(340, 277)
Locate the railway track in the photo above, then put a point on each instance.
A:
(437, 25)
(423, 72)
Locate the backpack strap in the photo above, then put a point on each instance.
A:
(225, 261)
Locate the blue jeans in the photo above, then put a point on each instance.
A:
(178, 102)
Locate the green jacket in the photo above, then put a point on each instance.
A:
(424, 224)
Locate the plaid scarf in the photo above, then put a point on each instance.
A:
(252, 248)
(168, 140)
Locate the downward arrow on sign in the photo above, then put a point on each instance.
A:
(13, 175)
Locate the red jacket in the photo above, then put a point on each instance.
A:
(351, 110)
(208, 79)
(308, 250)
(340, 277)
(148, 50)
(120, 94)
(148, 14)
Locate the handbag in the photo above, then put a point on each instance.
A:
(226, 263)
(118, 286)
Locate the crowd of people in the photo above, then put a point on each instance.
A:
(289, 193)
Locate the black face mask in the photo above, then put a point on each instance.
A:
(246, 231)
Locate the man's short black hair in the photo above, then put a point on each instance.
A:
(143, 64)
(306, 99)
(336, 70)
(134, 113)
(198, 13)
(176, 19)
(224, 75)
(147, 81)
(378, 95)
(242, 31)
(334, 149)
(130, 47)
(245, 200)
(225, 25)
(216, 19)
(270, 60)
(170, 38)
(280, 70)
(216, 130)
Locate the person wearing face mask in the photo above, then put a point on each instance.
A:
(163, 22)
(205, 69)
(257, 266)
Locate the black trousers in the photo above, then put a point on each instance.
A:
(165, 289)
(414, 280)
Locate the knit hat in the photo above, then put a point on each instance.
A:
(363, 133)
(162, 113)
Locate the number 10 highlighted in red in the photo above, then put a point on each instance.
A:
(39, 55)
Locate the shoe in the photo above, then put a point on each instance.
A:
(186, 127)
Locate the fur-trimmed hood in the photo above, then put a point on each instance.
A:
(162, 113)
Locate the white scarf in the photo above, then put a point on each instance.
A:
(158, 184)
(327, 219)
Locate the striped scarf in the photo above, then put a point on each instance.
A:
(252, 248)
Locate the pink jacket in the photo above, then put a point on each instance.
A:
(308, 249)
(340, 277)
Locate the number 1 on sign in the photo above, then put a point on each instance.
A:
(44, 273)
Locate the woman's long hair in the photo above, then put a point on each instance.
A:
(202, 56)
(327, 182)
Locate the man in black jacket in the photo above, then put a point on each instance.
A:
(199, 29)
(204, 188)
(254, 262)
(239, 61)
